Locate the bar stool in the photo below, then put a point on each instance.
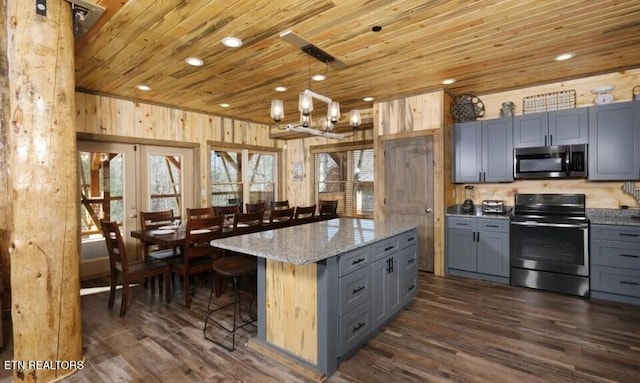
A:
(235, 267)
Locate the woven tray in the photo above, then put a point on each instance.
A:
(565, 99)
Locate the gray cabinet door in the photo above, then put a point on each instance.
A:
(531, 130)
(461, 249)
(497, 150)
(569, 126)
(614, 142)
(467, 146)
(493, 253)
(386, 292)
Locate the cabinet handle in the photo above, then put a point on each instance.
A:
(388, 267)
(410, 288)
(474, 236)
(484, 177)
(629, 255)
(551, 140)
(391, 265)
(389, 248)
(410, 239)
(478, 236)
(357, 290)
(493, 225)
(480, 177)
(410, 261)
(359, 326)
(359, 260)
(545, 140)
(629, 283)
(462, 224)
(629, 235)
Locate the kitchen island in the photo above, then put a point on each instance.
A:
(325, 287)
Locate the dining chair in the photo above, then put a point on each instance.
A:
(328, 207)
(255, 207)
(119, 264)
(276, 205)
(247, 222)
(281, 218)
(200, 212)
(153, 220)
(198, 253)
(304, 214)
(226, 210)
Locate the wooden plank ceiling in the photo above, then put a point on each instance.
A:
(487, 46)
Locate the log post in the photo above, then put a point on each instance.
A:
(42, 177)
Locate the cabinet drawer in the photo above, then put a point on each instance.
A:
(616, 280)
(354, 260)
(383, 248)
(408, 239)
(409, 287)
(497, 225)
(355, 288)
(354, 327)
(461, 223)
(616, 254)
(616, 233)
(409, 259)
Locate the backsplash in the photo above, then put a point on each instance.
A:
(608, 195)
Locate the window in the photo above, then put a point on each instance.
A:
(346, 176)
(232, 183)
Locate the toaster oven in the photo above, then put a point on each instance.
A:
(492, 206)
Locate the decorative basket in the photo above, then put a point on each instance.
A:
(467, 107)
(565, 99)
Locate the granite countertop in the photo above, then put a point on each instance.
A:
(614, 216)
(455, 210)
(312, 242)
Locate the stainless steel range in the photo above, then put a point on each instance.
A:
(549, 243)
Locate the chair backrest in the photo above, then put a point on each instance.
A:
(200, 212)
(305, 213)
(277, 205)
(226, 210)
(327, 207)
(247, 222)
(255, 207)
(199, 233)
(281, 217)
(115, 246)
(154, 219)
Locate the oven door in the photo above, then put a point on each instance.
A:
(554, 247)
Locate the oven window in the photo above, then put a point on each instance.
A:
(551, 248)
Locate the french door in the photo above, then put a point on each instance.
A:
(116, 182)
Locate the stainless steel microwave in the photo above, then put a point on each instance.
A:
(561, 161)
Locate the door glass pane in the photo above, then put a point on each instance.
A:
(165, 183)
(226, 178)
(261, 177)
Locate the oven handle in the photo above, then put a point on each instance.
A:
(548, 224)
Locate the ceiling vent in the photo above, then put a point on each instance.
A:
(311, 49)
(85, 16)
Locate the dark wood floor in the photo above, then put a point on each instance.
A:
(456, 330)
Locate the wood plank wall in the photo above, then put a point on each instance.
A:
(599, 194)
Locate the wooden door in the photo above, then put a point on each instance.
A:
(408, 189)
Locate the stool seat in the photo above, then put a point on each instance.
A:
(234, 265)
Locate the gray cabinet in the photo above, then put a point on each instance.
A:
(385, 293)
(374, 283)
(559, 127)
(615, 263)
(478, 248)
(614, 142)
(483, 151)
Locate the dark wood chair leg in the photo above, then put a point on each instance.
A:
(167, 286)
(125, 298)
(112, 290)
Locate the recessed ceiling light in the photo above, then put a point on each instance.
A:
(565, 56)
(225, 105)
(143, 87)
(195, 61)
(232, 42)
(280, 88)
(318, 77)
(449, 81)
(367, 99)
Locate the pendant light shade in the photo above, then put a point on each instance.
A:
(305, 104)
(354, 118)
(334, 112)
(305, 120)
(277, 110)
